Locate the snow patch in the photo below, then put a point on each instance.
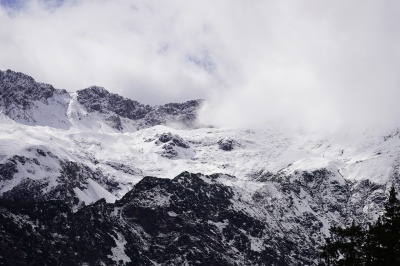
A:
(93, 193)
(172, 214)
(118, 252)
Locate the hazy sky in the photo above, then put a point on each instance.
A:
(318, 64)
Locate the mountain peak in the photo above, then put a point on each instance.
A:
(95, 91)
(33, 103)
(10, 76)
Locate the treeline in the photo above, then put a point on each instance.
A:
(379, 244)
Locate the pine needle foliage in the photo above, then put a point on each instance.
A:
(378, 244)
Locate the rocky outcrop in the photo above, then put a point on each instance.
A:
(32, 103)
(115, 107)
(26, 101)
(227, 144)
(174, 147)
(48, 179)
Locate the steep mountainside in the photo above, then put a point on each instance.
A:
(28, 102)
(79, 169)
(191, 219)
(120, 112)
(32, 103)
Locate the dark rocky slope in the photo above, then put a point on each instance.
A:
(190, 220)
(97, 99)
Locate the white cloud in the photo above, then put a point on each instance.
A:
(317, 64)
(132, 47)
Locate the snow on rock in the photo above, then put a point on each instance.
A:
(33, 103)
(174, 147)
(93, 193)
(4, 119)
(255, 191)
(227, 144)
(28, 102)
(118, 252)
(124, 114)
(172, 214)
(309, 164)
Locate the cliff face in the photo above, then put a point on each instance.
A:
(28, 102)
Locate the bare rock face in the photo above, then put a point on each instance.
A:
(227, 144)
(22, 89)
(48, 177)
(173, 146)
(28, 102)
(97, 99)
(175, 139)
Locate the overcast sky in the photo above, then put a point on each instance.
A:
(317, 64)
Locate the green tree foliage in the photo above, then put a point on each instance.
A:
(379, 244)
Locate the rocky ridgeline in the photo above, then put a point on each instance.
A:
(115, 107)
(28, 102)
(24, 100)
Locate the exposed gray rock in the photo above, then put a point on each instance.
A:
(97, 99)
(22, 99)
(227, 144)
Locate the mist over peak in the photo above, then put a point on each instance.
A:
(316, 65)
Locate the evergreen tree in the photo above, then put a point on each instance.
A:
(344, 247)
(372, 248)
(328, 253)
(390, 232)
(378, 245)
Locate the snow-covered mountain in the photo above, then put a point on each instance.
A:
(155, 188)
(95, 109)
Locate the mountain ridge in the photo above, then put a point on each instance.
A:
(279, 191)
(23, 99)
